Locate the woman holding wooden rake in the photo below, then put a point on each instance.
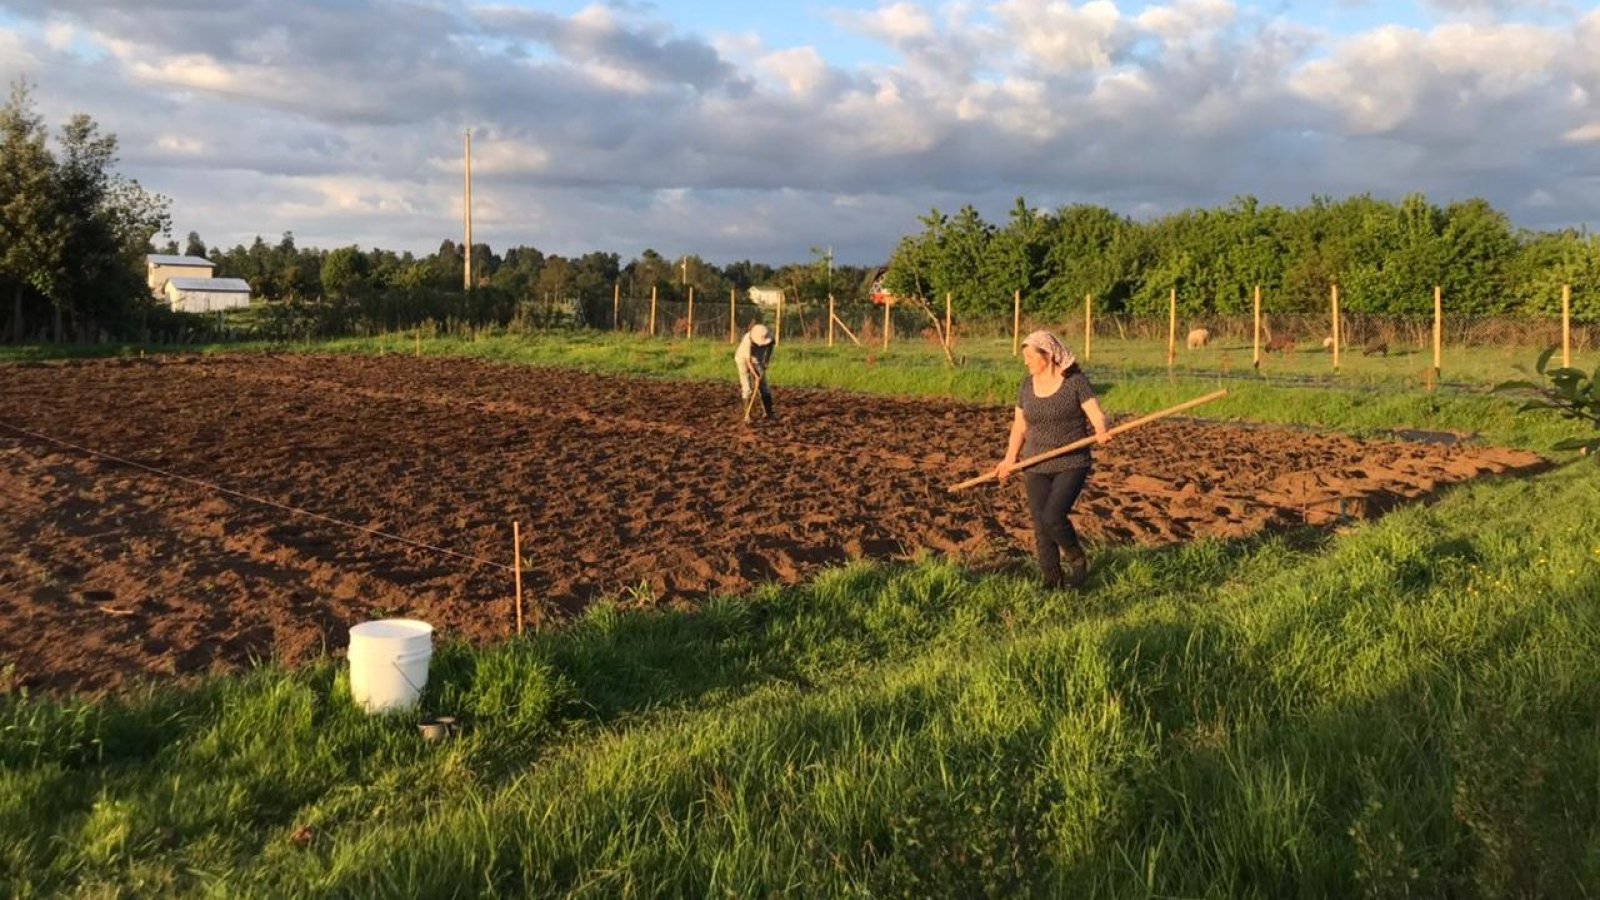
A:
(1055, 406)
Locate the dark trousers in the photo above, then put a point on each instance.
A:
(1050, 499)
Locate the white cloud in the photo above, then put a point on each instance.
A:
(1059, 37)
(610, 129)
(1583, 134)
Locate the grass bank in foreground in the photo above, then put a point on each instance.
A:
(1404, 710)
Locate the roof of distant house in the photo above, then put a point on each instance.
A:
(167, 259)
(223, 285)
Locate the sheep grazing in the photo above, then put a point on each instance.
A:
(1199, 338)
(1281, 345)
(1377, 348)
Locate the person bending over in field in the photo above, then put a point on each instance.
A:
(753, 358)
(1055, 406)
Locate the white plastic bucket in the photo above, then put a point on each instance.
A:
(389, 663)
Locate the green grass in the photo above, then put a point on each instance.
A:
(1404, 709)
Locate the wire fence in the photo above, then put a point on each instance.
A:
(906, 322)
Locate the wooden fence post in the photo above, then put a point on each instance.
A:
(1566, 326)
(949, 338)
(652, 310)
(1172, 330)
(616, 306)
(1088, 326)
(733, 316)
(1333, 301)
(690, 334)
(1016, 322)
(886, 324)
(1439, 330)
(830, 320)
(777, 331)
(1255, 354)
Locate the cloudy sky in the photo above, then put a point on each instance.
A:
(735, 130)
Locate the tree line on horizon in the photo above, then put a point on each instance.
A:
(1385, 257)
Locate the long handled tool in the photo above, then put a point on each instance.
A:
(754, 393)
(1079, 445)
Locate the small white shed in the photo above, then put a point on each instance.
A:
(765, 295)
(207, 294)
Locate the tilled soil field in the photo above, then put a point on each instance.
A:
(110, 571)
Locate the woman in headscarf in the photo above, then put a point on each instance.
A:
(1055, 406)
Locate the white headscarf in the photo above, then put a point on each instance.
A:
(1051, 348)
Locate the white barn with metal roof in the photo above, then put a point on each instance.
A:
(207, 294)
(161, 266)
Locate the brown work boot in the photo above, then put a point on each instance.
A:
(1077, 568)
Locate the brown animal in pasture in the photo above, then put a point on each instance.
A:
(1281, 345)
(1327, 343)
(1199, 338)
(1377, 348)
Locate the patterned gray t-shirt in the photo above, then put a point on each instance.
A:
(1055, 421)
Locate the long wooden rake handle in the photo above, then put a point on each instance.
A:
(754, 393)
(1080, 444)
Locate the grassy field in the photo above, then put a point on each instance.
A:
(1406, 708)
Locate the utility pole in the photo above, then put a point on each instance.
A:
(466, 255)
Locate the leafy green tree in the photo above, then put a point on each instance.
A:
(344, 272)
(594, 274)
(104, 222)
(27, 208)
(1088, 250)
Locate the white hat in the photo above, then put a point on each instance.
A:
(759, 335)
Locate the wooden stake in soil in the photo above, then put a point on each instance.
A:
(831, 319)
(1566, 326)
(516, 551)
(733, 316)
(777, 333)
(1016, 322)
(1333, 300)
(419, 343)
(1255, 356)
(616, 305)
(1093, 439)
(886, 325)
(652, 310)
(690, 335)
(1438, 329)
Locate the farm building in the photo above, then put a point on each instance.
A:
(161, 266)
(207, 294)
(765, 295)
